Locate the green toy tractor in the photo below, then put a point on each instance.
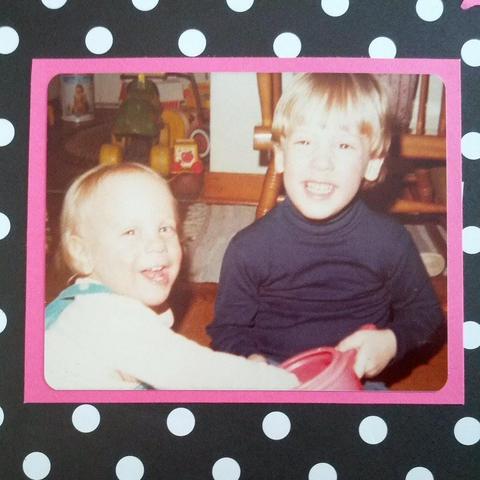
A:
(137, 130)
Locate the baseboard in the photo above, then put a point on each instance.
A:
(236, 188)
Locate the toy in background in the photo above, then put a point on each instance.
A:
(187, 134)
(187, 169)
(137, 127)
(185, 157)
(173, 137)
(197, 104)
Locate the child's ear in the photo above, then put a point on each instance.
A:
(278, 158)
(372, 171)
(79, 253)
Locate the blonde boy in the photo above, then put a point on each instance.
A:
(321, 265)
(119, 237)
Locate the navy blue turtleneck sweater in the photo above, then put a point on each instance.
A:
(288, 284)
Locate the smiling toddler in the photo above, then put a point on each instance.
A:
(119, 238)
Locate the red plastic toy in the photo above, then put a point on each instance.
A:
(326, 368)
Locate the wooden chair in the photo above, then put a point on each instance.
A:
(426, 153)
(269, 89)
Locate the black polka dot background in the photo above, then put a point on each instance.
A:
(229, 442)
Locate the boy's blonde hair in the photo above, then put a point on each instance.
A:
(343, 97)
(76, 201)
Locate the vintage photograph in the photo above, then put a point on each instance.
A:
(246, 231)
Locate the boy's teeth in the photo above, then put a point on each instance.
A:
(319, 188)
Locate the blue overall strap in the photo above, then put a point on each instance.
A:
(66, 297)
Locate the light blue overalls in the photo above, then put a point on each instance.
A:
(66, 297)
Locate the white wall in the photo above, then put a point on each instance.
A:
(107, 89)
(235, 110)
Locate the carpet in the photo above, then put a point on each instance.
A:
(86, 143)
(208, 229)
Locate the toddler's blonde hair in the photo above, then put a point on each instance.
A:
(76, 201)
(345, 98)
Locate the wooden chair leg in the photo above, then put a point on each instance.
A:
(270, 190)
(270, 89)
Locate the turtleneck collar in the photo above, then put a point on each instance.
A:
(341, 223)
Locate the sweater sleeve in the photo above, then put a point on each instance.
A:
(148, 350)
(237, 302)
(417, 315)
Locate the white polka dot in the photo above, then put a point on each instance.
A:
(471, 335)
(335, 8)
(36, 465)
(226, 469)
(471, 145)
(373, 430)
(2, 416)
(322, 471)
(471, 52)
(429, 10)
(180, 422)
(276, 425)
(382, 47)
(4, 226)
(129, 468)
(7, 132)
(145, 5)
(86, 418)
(192, 42)
(54, 4)
(419, 473)
(471, 239)
(467, 431)
(8, 40)
(287, 45)
(240, 5)
(3, 321)
(99, 40)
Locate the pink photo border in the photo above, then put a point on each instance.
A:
(36, 389)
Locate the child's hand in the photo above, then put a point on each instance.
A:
(375, 349)
(256, 357)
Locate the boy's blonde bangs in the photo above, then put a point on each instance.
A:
(351, 100)
(77, 199)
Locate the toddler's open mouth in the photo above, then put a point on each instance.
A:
(156, 274)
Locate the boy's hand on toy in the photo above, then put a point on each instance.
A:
(375, 349)
(256, 357)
